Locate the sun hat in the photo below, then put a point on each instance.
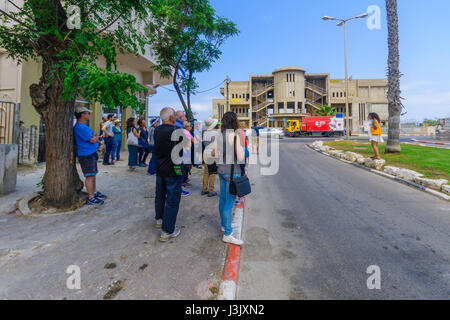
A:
(81, 109)
(211, 123)
(117, 121)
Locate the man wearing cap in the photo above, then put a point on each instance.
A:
(86, 145)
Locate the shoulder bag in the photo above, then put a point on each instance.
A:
(132, 140)
(239, 186)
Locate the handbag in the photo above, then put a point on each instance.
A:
(212, 168)
(239, 186)
(132, 140)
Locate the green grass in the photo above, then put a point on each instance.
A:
(431, 162)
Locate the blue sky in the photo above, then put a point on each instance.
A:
(282, 33)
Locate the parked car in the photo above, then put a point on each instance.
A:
(272, 133)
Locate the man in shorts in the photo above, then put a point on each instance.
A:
(86, 144)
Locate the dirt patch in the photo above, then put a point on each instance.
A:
(110, 265)
(38, 206)
(114, 289)
(143, 267)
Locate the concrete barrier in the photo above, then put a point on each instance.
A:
(8, 168)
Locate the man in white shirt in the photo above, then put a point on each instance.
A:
(108, 137)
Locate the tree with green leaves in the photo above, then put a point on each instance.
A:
(326, 111)
(186, 35)
(68, 41)
(430, 122)
(394, 92)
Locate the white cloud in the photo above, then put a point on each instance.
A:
(202, 106)
(426, 99)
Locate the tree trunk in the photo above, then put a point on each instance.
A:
(62, 185)
(188, 111)
(395, 105)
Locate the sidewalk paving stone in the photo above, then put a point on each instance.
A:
(35, 251)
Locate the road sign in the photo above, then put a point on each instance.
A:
(181, 74)
(271, 119)
(284, 119)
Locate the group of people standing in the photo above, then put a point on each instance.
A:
(111, 142)
(110, 139)
(171, 178)
(140, 142)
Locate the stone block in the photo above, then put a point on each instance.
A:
(393, 171)
(374, 164)
(351, 156)
(446, 188)
(361, 160)
(409, 175)
(8, 168)
(336, 153)
(431, 183)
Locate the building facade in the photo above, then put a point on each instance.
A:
(290, 94)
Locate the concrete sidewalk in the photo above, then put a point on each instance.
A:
(116, 245)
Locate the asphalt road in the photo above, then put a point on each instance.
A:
(312, 230)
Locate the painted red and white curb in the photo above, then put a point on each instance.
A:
(228, 286)
(432, 142)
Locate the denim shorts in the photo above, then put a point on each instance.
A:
(88, 164)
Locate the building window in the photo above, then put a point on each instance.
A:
(280, 107)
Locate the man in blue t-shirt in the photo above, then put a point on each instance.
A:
(86, 144)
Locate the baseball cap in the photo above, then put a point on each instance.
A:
(82, 109)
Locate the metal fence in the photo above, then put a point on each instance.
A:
(9, 122)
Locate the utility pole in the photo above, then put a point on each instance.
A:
(347, 110)
(343, 22)
(227, 93)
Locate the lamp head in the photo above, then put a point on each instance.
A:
(364, 15)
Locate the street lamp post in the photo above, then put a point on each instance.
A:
(343, 22)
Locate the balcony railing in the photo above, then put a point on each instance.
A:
(316, 88)
(260, 91)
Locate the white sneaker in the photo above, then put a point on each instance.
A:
(232, 240)
(166, 236)
(221, 228)
(159, 223)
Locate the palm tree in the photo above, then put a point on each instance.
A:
(326, 111)
(395, 105)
